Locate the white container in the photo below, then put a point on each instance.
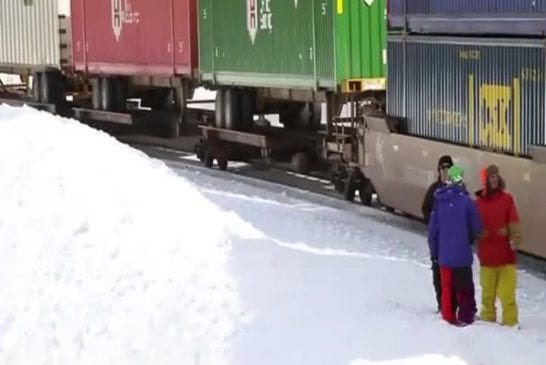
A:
(33, 35)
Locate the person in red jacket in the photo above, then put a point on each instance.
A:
(496, 250)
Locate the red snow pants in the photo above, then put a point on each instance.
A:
(459, 282)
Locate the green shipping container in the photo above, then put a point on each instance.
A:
(336, 45)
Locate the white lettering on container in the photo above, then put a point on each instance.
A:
(258, 17)
(122, 13)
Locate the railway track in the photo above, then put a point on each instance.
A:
(311, 188)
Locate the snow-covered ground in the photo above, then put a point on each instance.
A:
(110, 257)
(328, 286)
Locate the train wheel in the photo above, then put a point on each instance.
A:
(337, 173)
(208, 158)
(221, 154)
(349, 192)
(366, 192)
(222, 163)
(339, 186)
(220, 108)
(37, 87)
(350, 187)
(232, 108)
(200, 148)
(300, 162)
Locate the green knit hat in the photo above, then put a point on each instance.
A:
(455, 174)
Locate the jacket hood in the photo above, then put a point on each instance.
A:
(451, 192)
(487, 192)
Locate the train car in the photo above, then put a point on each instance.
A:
(401, 167)
(479, 100)
(480, 92)
(136, 48)
(471, 17)
(287, 56)
(35, 44)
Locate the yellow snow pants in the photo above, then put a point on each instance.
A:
(499, 282)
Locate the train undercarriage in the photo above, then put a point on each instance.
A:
(108, 99)
(366, 152)
(359, 149)
(303, 144)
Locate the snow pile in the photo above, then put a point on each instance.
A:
(106, 255)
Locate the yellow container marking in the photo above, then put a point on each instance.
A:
(517, 116)
(340, 6)
(471, 101)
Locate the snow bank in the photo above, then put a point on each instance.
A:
(106, 255)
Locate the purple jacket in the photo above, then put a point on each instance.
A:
(453, 226)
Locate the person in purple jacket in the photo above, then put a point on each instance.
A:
(454, 226)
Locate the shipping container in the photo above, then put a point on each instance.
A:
(487, 93)
(135, 37)
(32, 36)
(332, 45)
(500, 17)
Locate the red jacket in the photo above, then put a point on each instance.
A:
(500, 226)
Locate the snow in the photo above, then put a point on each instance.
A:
(331, 283)
(109, 256)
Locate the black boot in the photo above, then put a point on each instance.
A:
(437, 283)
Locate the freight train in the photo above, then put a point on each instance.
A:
(403, 83)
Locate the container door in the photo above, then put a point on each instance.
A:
(205, 24)
(185, 36)
(324, 42)
(129, 37)
(77, 16)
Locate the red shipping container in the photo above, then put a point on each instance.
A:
(135, 37)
